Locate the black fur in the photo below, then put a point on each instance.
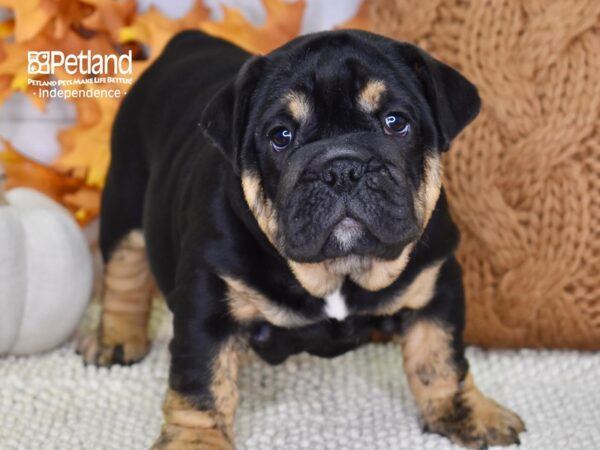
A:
(180, 182)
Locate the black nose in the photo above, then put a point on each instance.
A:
(343, 174)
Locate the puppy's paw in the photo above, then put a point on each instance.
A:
(478, 423)
(94, 351)
(180, 438)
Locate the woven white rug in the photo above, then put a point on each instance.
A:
(357, 401)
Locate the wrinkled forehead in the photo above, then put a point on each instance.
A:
(366, 97)
(334, 81)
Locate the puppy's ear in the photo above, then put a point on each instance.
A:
(224, 119)
(454, 100)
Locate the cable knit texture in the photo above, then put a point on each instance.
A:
(524, 178)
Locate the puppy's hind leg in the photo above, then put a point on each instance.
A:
(128, 284)
(122, 336)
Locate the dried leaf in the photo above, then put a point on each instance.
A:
(284, 21)
(30, 16)
(22, 171)
(86, 146)
(103, 27)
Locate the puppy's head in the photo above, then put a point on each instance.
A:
(337, 138)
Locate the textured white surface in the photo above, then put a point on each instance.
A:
(357, 401)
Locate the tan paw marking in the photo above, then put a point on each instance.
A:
(448, 399)
(475, 421)
(94, 352)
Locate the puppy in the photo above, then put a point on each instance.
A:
(289, 202)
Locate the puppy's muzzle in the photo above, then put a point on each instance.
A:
(343, 175)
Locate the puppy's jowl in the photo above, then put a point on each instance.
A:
(290, 202)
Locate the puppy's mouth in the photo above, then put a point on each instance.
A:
(345, 236)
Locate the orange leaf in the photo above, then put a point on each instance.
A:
(283, 23)
(109, 16)
(30, 16)
(22, 171)
(86, 146)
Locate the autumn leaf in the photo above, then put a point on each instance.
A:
(83, 201)
(13, 70)
(30, 16)
(106, 27)
(284, 21)
(86, 146)
(155, 30)
(109, 16)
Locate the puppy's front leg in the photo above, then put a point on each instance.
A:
(200, 404)
(439, 378)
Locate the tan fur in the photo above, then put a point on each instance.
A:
(369, 98)
(126, 301)
(247, 304)
(315, 278)
(427, 358)
(429, 191)
(262, 208)
(450, 405)
(186, 427)
(416, 295)
(373, 274)
(298, 105)
(381, 274)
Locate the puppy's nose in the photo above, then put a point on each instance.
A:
(343, 174)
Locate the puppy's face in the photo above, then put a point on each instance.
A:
(337, 138)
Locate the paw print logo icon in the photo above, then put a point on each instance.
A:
(38, 63)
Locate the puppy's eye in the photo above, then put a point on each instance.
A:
(280, 138)
(394, 123)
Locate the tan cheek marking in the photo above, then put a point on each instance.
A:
(429, 191)
(298, 105)
(369, 98)
(382, 273)
(418, 294)
(187, 427)
(315, 278)
(247, 304)
(262, 208)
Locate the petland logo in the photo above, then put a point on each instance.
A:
(84, 63)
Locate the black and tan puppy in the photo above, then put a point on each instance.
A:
(290, 202)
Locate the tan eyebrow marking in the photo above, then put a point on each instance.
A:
(369, 97)
(298, 105)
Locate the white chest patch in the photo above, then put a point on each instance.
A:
(335, 305)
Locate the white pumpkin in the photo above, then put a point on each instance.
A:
(45, 272)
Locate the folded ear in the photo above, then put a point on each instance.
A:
(454, 100)
(224, 119)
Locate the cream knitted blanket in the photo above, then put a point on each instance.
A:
(357, 401)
